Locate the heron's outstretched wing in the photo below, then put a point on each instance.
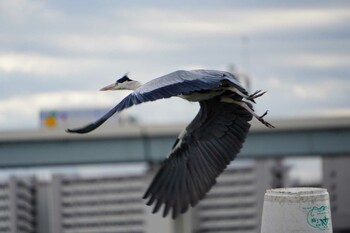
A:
(173, 84)
(210, 143)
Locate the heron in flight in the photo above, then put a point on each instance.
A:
(206, 146)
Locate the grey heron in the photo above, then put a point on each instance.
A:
(206, 146)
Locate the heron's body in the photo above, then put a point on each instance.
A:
(207, 145)
(189, 81)
(201, 96)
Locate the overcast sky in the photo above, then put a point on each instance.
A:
(57, 54)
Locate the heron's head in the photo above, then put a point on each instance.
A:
(124, 83)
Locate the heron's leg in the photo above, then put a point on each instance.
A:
(235, 90)
(249, 109)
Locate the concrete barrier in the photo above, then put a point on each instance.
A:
(291, 210)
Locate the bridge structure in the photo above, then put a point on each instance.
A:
(298, 137)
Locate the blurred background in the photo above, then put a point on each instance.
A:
(56, 55)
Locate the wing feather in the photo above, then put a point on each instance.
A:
(210, 143)
(151, 91)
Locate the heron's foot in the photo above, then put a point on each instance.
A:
(247, 106)
(255, 95)
(261, 119)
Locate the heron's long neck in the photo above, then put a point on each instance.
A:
(136, 85)
(132, 85)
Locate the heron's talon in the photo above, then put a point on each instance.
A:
(261, 119)
(267, 124)
(255, 95)
(265, 113)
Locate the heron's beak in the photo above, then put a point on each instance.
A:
(108, 88)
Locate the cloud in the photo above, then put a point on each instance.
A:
(307, 92)
(59, 46)
(310, 90)
(274, 83)
(289, 97)
(39, 64)
(318, 60)
(322, 90)
(112, 43)
(19, 11)
(220, 22)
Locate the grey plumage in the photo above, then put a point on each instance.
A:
(212, 141)
(208, 144)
